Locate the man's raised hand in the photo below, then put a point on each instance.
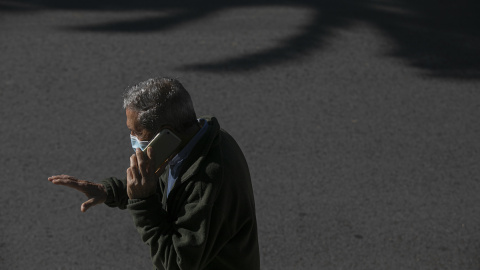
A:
(96, 193)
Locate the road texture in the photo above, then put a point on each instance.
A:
(359, 120)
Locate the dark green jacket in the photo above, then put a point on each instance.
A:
(208, 221)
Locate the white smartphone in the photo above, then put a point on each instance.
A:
(164, 145)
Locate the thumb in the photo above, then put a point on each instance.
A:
(86, 205)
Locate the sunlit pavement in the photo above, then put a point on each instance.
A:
(359, 122)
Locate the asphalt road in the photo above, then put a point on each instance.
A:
(360, 123)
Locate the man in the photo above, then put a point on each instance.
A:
(200, 212)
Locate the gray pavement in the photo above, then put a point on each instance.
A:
(359, 122)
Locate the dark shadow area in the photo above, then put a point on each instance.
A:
(440, 37)
(175, 19)
(309, 38)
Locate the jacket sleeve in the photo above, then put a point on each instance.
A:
(186, 242)
(116, 192)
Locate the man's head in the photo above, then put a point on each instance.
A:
(156, 104)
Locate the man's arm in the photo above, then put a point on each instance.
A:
(116, 192)
(188, 241)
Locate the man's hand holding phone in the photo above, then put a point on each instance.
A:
(145, 167)
(141, 177)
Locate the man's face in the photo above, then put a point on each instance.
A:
(136, 128)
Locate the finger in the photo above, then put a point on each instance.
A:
(130, 181)
(133, 161)
(72, 182)
(62, 176)
(135, 176)
(86, 205)
(142, 162)
(65, 180)
(150, 153)
(151, 165)
(134, 164)
(129, 175)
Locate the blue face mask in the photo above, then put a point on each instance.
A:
(138, 144)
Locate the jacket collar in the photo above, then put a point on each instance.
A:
(192, 163)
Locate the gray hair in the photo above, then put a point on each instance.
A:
(161, 101)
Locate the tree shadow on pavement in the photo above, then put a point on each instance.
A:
(441, 37)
